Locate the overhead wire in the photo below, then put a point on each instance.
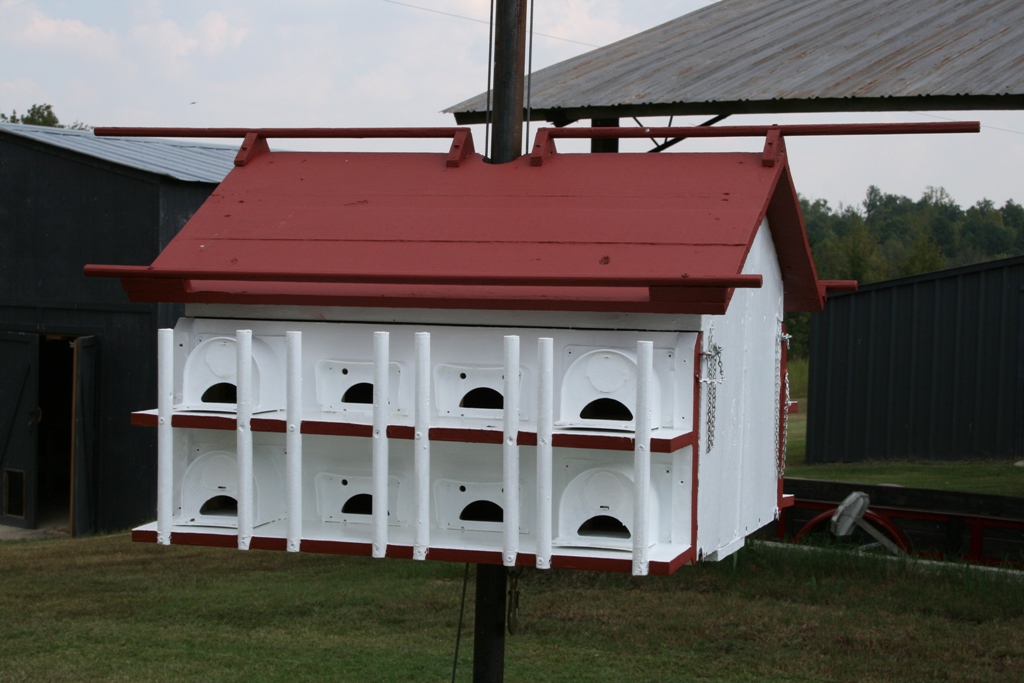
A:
(481, 21)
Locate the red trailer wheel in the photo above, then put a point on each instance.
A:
(881, 521)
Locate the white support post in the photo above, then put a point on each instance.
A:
(510, 454)
(244, 447)
(421, 456)
(165, 436)
(545, 427)
(642, 456)
(381, 362)
(293, 440)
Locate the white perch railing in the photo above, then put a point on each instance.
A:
(421, 456)
(421, 536)
(545, 427)
(510, 452)
(165, 436)
(381, 410)
(293, 440)
(244, 434)
(642, 456)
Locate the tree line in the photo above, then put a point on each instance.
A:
(890, 236)
(40, 115)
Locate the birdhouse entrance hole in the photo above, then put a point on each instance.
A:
(224, 392)
(482, 511)
(359, 393)
(361, 504)
(604, 526)
(606, 409)
(220, 506)
(483, 397)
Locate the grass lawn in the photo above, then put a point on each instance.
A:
(1000, 477)
(106, 609)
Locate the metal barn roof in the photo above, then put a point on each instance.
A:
(550, 231)
(767, 56)
(184, 160)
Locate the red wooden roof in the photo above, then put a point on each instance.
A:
(609, 232)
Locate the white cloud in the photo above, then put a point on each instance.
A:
(25, 27)
(219, 33)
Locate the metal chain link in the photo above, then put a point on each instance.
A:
(781, 411)
(785, 427)
(714, 375)
(778, 395)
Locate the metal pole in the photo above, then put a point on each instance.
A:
(509, 65)
(489, 631)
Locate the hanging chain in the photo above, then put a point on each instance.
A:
(785, 429)
(781, 411)
(714, 375)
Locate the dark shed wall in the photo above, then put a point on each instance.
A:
(928, 367)
(59, 211)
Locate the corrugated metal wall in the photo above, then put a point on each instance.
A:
(926, 367)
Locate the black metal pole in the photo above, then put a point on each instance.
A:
(604, 145)
(509, 73)
(489, 630)
(507, 145)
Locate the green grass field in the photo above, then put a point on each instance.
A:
(105, 609)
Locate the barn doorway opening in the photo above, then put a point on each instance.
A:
(56, 430)
(48, 466)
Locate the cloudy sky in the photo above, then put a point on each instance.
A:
(390, 63)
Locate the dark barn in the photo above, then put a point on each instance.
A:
(75, 357)
(924, 367)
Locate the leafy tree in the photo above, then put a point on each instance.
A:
(984, 232)
(891, 236)
(885, 215)
(922, 256)
(943, 218)
(1013, 219)
(41, 115)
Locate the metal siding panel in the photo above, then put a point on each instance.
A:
(841, 344)
(816, 388)
(827, 423)
(60, 214)
(939, 409)
(19, 427)
(900, 347)
(857, 396)
(971, 310)
(954, 388)
(1019, 417)
(84, 453)
(992, 392)
(878, 372)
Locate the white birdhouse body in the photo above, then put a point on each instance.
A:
(597, 382)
